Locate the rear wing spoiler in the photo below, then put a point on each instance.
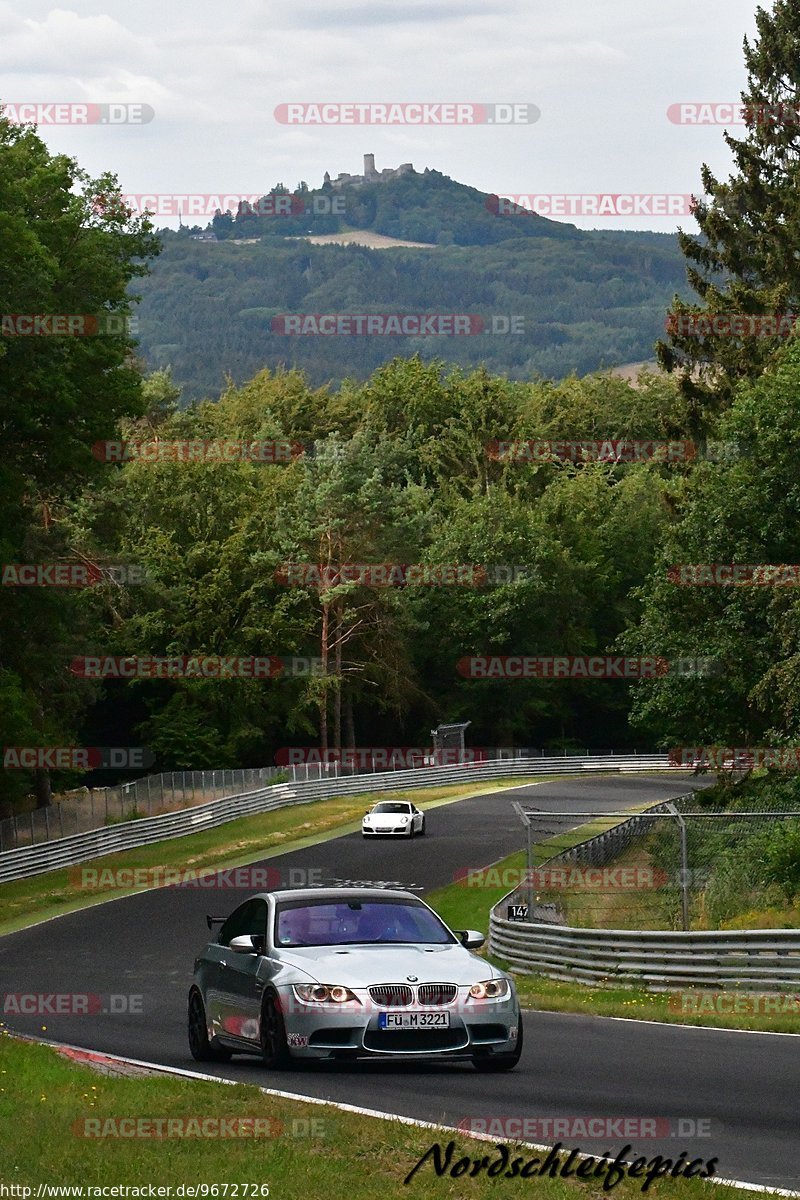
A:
(212, 921)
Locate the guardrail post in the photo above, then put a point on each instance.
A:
(530, 873)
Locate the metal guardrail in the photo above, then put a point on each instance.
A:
(657, 960)
(68, 851)
(85, 808)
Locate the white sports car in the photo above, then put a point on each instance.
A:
(399, 818)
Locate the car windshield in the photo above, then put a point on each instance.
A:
(354, 922)
(392, 806)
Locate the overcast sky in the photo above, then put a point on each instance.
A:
(602, 72)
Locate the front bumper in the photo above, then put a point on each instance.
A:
(348, 1031)
(389, 831)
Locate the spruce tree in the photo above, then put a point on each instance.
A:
(746, 260)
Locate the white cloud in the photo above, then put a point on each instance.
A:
(602, 76)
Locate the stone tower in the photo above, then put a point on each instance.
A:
(369, 166)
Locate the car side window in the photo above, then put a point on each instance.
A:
(250, 917)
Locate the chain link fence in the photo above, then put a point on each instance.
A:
(686, 864)
(92, 808)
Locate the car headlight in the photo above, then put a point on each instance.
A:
(324, 993)
(404, 820)
(490, 989)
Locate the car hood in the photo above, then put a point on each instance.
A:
(386, 818)
(363, 966)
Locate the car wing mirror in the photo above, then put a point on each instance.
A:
(247, 943)
(471, 939)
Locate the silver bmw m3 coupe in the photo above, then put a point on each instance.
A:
(349, 973)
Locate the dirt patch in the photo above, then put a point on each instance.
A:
(363, 237)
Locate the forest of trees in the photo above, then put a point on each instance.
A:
(579, 303)
(396, 467)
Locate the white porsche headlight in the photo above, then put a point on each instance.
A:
(323, 993)
(490, 989)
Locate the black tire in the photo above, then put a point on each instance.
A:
(501, 1062)
(422, 828)
(411, 831)
(201, 1049)
(274, 1047)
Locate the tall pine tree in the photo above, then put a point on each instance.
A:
(746, 260)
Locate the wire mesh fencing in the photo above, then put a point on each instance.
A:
(690, 863)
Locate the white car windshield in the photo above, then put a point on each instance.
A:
(353, 922)
(392, 806)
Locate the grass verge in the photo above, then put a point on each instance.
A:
(464, 907)
(305, 1150)
(245, 840)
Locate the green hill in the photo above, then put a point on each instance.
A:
(578, 300)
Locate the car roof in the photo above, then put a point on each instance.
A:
(335, 893)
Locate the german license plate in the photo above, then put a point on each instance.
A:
(414, 1020)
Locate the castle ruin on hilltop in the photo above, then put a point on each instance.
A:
(370, 174)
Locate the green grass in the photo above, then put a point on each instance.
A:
(467, 907)
(311, 1151)
(237, 843)
(464, 907)
(552, 995)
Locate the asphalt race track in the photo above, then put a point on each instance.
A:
(738, 1090)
